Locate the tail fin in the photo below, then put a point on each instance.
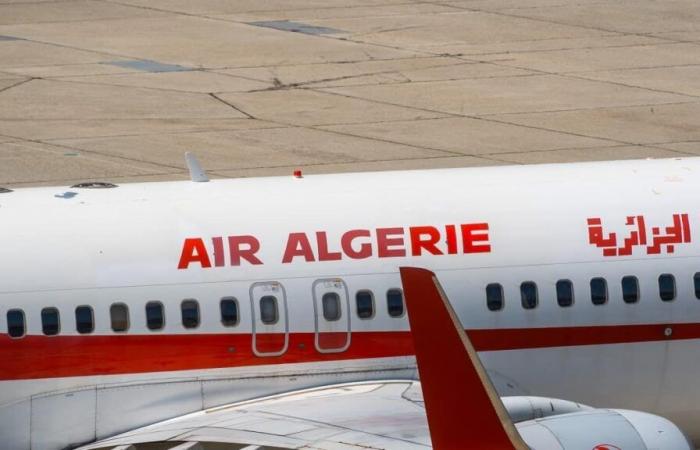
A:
(464, 411)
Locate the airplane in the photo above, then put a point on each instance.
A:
(123, 306)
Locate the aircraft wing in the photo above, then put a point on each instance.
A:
(373, 415)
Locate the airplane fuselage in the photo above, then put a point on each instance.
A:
(147, 301)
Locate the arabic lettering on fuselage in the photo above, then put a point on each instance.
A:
(654, 242)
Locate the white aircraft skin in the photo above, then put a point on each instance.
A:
(65, 248)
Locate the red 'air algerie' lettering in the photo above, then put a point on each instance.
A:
(240, 248)
(319, 246)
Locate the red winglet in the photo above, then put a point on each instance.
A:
(464, 411)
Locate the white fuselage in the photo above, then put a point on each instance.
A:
(297, 240)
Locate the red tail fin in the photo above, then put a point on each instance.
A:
(464, 411)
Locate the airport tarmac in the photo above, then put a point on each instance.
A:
(119, 90)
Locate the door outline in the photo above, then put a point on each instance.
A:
(256, 316)
(316, 315)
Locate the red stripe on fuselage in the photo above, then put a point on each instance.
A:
(33, 357)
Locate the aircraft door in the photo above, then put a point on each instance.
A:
(270, 321)
(332, 315)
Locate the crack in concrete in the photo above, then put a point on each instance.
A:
(19, 83)
(231, 105)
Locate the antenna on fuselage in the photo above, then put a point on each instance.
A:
(197, 174)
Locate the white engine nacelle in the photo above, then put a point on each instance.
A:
(521, 408)
(603, 429)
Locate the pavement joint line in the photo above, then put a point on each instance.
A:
(491, 119)
(627, 69)
(263, 11)
(128, 86)
(92, 152)
(386, 141)
(69, 181)
(67, 21)
(491, 77)
(349, 61)
(593, 108)
(571, 49)
(36, 2)
(571, 149)
(617, 83)
(282, 86)
(344, 39)
(208, 130)
(550, 21)
(115, 74)
(123, 119)
(334, 163)
(81, 49)
(570, 76)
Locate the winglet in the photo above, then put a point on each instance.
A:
(197, 174)
(464, 411)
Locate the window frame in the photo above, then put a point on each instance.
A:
(277, 310)
(162, 315)
(403, 303)
(338, 304)
(638, 293)
(24, 322)
(128, 317)
(92, 319)
(197, 309)
(572, 291)
(233, 300)
(502, 298)
(522, 295)
(675, 288)
(373, 306)
(58, 321)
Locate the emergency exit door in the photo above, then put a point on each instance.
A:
(270, 321)
(332, 315)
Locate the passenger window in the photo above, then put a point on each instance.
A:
(565, 293)
(394, 302)
(696, 282)
(50, 322)
(494, 297)
(667, 287)
(365, 304)
(269, 314)
(119, 316)
(528, 295)
(630, 289)
(599, 291)
(190, 313)
(331, 306)
(84, 320)
(229, 311)
(15, 323)
(155, 319)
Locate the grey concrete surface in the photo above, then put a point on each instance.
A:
(118, 90)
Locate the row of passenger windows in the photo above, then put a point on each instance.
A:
(190, 313)
(529, 297)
